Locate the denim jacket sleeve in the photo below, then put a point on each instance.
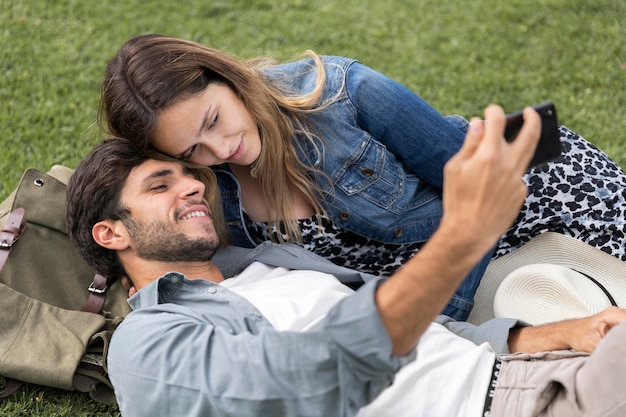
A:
(207, 351)
(406, 125)
(420, 137)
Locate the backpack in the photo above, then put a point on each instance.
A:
(58, 316)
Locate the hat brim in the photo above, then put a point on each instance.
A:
(551, 248)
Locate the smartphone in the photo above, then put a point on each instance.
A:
(549, 146)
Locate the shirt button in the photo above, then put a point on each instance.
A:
(397, 232)
(212, 290)
(368, 172)
(345, 215)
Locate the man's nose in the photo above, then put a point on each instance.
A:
(192, 187)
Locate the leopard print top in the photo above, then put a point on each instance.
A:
(344, 248)
(582, 194)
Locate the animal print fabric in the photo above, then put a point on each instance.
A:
(582, 194)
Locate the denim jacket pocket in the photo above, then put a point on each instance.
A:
(375, 174)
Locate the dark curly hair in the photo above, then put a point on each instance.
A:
(94, 192)
(93, 195)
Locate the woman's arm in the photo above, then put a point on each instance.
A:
(407, 125)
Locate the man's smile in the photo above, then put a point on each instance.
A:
(194, 214)
(197, 210)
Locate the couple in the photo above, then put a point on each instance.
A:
(272, 331)
(331, 155)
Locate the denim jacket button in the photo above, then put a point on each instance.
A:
(345, 215)
(368, 172)
(397, 232)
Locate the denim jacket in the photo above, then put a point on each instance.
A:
(382, 147)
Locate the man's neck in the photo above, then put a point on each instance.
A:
(143, 272)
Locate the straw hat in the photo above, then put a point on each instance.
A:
(552, 277)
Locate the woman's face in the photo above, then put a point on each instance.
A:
(210, 128)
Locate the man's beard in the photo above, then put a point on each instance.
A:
(159, 241)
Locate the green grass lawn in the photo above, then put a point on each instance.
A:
(459, 55)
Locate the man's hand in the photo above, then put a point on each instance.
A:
(482, 194)
(128, 285)
(483, 188)
(589, 331)
(582, 335)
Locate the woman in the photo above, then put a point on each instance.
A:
(327, 153)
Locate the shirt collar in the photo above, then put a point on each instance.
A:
(151, 294)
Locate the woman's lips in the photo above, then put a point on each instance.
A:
(238, 153)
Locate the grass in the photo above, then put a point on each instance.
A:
(458, 55)
(33, 401)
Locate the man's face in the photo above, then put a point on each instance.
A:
(169, 220)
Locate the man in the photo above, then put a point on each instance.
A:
(280, 339)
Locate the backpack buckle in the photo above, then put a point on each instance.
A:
(7, 245)
(13, 229)
(95, 290)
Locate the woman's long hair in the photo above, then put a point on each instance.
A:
(151, 73)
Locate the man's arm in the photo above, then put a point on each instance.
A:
(507, 335)
(204, 351)
(483, 192)
(496, 331)
(582, 334)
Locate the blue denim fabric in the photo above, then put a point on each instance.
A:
(383, 149)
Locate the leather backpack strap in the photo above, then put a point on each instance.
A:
(97, 294)
(13, 229)
(10, 233)
(10, 387)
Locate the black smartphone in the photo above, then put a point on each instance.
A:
(549, 146)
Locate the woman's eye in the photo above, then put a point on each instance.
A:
(210, 125)
(187, 155)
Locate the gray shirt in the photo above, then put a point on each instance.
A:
(195, 348)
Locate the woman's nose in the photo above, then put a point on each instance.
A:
(219, 148)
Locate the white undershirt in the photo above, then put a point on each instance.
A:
(448, 378)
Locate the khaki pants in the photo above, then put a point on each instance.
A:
(565, 383)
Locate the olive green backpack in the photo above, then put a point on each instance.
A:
(57, 315)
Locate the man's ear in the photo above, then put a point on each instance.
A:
(111, 234)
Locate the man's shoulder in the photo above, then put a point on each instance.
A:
(233, 259)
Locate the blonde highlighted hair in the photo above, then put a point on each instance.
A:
(152, 72)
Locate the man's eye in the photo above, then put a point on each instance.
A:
(160, 187)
